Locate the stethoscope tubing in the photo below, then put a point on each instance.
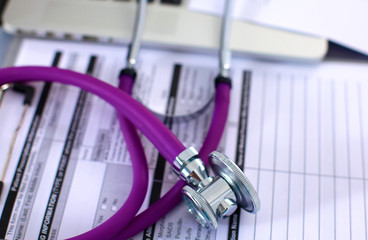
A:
(131, 206)
(133, 203)
(222, 101)
(137, 116)
(145, 121)
(174, 196)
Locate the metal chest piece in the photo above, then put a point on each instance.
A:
(219, 196)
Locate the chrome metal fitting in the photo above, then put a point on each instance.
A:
(3, 88)
(190, 167)
(222, 195)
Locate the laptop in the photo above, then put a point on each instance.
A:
(169, 24)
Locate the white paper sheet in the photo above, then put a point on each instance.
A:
(305, 130)
(307, 151)
(339, 21)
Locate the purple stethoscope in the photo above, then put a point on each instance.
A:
(207, 198)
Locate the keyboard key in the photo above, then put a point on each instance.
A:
(175, 2)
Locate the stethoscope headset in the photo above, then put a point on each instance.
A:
(207, 198)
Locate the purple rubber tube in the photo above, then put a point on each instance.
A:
(164, 140)
(140, 177)
(218, 122)
(157, 133)
(160, 136)
(174, 196)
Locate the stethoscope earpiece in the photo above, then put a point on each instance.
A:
(209, 198)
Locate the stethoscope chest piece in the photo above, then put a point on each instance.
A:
(219, 197)
(246, 195)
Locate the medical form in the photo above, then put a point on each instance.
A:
(300, 132)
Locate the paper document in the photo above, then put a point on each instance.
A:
(340, 21)
(299, 131)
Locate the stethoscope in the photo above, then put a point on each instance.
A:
(207, 198)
